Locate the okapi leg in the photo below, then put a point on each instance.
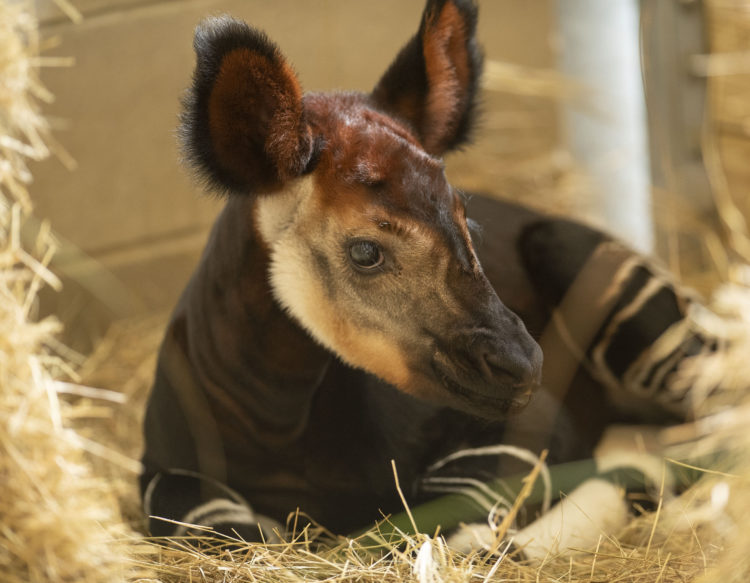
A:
(182, 503)
(185, 502)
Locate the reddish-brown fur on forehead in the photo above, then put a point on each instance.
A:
(364, 147)
(372, 167)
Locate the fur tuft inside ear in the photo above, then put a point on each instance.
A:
(243, 124)
(433, 82)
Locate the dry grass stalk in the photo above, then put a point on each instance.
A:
(673, 557)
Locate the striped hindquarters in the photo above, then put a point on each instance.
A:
(614, 312)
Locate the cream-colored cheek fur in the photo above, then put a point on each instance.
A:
(281, 220)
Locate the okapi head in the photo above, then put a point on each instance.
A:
(368, 244)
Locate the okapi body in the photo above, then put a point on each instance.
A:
(346, 313)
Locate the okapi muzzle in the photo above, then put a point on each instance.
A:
(491, 365)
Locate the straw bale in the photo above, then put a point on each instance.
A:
(58, 520)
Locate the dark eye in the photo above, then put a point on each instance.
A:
(366, 254)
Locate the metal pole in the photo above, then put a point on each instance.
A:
(600, 49)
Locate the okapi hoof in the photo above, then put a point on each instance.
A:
(185, 504)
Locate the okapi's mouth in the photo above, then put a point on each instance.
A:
(484, 404)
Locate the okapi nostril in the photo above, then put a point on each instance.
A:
(495, 367)
(518, 371)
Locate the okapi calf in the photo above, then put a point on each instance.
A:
(346, 312)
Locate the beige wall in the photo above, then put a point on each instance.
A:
(133, 221)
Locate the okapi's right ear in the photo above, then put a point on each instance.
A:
(243, 126)
(433, 83)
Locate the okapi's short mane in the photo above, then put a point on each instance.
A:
(243, 127)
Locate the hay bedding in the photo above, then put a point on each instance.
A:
(66, 449)
(58, 519)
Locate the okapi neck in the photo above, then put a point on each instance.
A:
(258, 364)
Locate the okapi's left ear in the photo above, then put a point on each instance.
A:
(433, 82)
(243, 124)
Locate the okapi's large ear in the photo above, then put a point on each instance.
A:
(243, 125)
(433, 82)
